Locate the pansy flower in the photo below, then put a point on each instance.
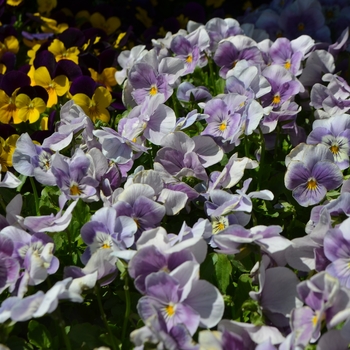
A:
(109, 25)
(93, 99)
(9, 85)
(56, 86)
(29, 109)
(7, 147)
(311, 173)
(61, 52)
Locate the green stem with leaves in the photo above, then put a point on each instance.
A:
(36, 198)
(104, 318)
(262, 157)
(127, 307)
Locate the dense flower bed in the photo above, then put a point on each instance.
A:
(178, 181)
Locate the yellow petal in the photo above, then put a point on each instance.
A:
(82, 100)
(22, 100)
(52, 101)
(12, 44)
(61, 84)
(57, 47)
(42, 77)
(109, 76)
(39, 104)
(102, 97)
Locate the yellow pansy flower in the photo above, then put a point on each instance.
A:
(14, 2)
(96, 107)
(106, 78)
(143, 17)
(7, 147)
(50, 25)
(29, 109)
(109, 26)
(32, 53)
(8, 108)
(57, 86)
(10, 44)
(45, 6)
(215, 3)
(60, 52)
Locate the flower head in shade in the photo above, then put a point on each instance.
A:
(311, 173)
(304, 17)
(336, 249)
(9, 264)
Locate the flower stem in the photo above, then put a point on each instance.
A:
(104, 318)
(36, 198)
(127, 307)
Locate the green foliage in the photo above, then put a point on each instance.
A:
(39, 335)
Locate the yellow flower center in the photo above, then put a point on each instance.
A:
(314, 320)
(312, 184)
(153, 90)
(334, 149)
(189, 58)
(219, 224)
(276, 99)
(170, 310)
(105, 246)
(75, 190)
(287, 65)
(223, 126)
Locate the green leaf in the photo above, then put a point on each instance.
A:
(86, 336)
(39, 335)
(81, 215)
(223, 270)
(241, 295)
(16, 343)
(49, 199)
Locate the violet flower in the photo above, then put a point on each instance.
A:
(334, 133)
(148, 77)
(33, 160)
(72, 176)
(107, 231)
(182, 298)
(336, 248)
(311, 174)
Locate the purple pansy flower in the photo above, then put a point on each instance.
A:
(72, 175)
(311, 174)
(334, 133)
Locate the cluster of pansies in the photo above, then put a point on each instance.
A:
(189, 190)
